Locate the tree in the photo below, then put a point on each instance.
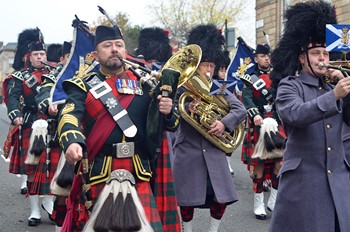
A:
(130, 33)
(180, 16)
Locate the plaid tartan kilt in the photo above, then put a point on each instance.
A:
(143, 190)
(17, 165)
(41, 183)
(10, 139)
(164, 192)
(250, 139)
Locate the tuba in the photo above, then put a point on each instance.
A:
(207, 111)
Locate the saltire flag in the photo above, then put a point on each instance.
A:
(221, 87)
(338, 37)
(242, 63)
(82, 45)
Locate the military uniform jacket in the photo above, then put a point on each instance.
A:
(76, 122)
(253, 100)
(314, 178)
(26, 83)
(195, 159)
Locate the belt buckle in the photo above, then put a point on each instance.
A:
(100, 90)
(124, 150)
(259, 84)
(31, 81)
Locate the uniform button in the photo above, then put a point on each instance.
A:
(329, 172)
(320, 87)
(328, 126)
(204, 150)
(329, 149)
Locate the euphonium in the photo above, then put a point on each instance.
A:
(207, 111)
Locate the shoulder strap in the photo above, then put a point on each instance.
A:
(259, 85)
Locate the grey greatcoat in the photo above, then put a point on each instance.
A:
(315, 175)
(196, 159)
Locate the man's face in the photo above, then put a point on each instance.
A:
(64, 59)
(263, 61)
(110, 52)
(316, 56)
(37, 57)
(207, 69)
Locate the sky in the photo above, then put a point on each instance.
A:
(54, 18)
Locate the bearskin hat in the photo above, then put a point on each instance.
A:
(154, 44)
(54, 52)
(25, 38)
(305, 26)
(211, 41)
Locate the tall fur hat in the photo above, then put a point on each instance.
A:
(25, 38)
(211, 41)
(154, 44)
(305, 28)
(54, 52)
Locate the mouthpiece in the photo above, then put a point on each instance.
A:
(322, 65)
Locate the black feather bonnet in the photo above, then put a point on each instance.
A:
(25, 38)
(211, 41)
(305, 28)
(154, 44)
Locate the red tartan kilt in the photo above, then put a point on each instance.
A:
(17, 165)
(164, 191)
(41, 183)
(143, 189)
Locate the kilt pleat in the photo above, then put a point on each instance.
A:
(17, 165)
(164, 192)
(41, 183)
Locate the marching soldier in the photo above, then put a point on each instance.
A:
(314, 186)
(26, 84)
(209, 183)
(51, 111)
(258, 98)
(112, 108)
(154, 46)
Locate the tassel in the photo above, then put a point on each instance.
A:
(278, 140)
(131, 217)
(117, 220)
(66, 176)
(269, 145)
(38, 146)
(103, 218)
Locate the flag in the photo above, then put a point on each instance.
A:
(220, 87)
(82, 45)
(337, 37)
(242, 63)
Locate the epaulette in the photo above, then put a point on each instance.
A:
(51, 77)
(18, 75)
(75, 81)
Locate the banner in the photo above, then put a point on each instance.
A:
(82, 45)
(242, 63)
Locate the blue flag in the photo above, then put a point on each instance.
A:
(82, 46)
(242, 63)
(338, 37)
(220, 87)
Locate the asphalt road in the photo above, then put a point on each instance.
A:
(14, 207)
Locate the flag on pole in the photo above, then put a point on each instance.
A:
(82, 45)
(242, 63)
(338, 37)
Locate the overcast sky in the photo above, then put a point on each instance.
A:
(54, 18)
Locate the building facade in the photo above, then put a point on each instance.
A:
(269, 17)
